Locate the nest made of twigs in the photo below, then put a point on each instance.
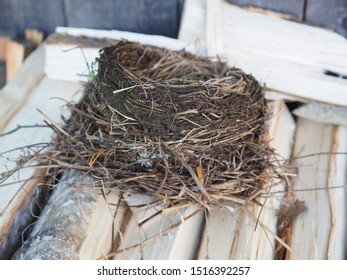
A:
(169, 124)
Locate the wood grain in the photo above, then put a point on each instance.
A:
(319, 232)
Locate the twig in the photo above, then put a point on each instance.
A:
(52, 124)
(21, 127)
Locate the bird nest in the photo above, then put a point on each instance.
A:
(171, 125)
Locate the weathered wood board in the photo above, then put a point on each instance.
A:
(16, 52)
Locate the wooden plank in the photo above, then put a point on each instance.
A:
(193, 25)
(68, 58)
(338, 197)
(16, 191)
(147, 16)
(16, 52)
(187, 238)
(328, 14)
(71, 65)
(14, 58)
(277, 51)
(104, 226)
(319, 232)
(16, 93)
(293, 7)
(172, 234)
(241, 237)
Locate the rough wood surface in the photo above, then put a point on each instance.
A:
(14, 58)
(171, 234)
(319, 232)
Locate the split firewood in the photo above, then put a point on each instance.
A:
(16, 52)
